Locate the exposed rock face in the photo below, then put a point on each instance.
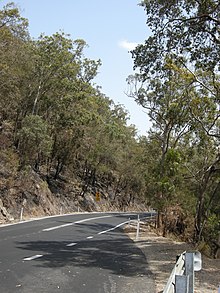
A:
(32, 193)
(36, 195)
(4, 215)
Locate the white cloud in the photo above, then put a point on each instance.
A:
(127, 45)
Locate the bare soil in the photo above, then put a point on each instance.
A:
(161, 255)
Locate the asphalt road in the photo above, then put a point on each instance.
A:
(83, 253)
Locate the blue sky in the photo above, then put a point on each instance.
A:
(110, 28)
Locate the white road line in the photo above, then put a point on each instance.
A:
(77, 222)
(71, 244)
(73, 223)
(33, 257)
(95, 218)
(113, 228)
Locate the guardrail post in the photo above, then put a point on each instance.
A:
(138, 227)
(21, 214)
(189, 270)
(181, 284)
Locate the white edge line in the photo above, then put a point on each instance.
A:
(94, 218)
(54, 216)
(77, 222)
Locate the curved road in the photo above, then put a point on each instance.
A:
(81, 253)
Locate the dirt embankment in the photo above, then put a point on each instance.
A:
(161, 252)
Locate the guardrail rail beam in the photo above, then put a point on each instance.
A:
(181, 284)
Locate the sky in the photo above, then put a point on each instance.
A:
(111, 28)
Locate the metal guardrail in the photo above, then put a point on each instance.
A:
(181, 279)
(138, 221)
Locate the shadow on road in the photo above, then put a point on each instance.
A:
(113, 251)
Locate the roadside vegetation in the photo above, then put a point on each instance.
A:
(56, 122)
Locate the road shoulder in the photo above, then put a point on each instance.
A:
(161, 254)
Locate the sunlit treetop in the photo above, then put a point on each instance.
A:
(187, 29)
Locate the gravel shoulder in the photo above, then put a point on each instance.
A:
(161, 252)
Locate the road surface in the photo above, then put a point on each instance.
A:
(82, 253)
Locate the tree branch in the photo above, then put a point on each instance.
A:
(197, 80)
(198, 17)
(204, 128)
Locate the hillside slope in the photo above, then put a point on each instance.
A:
(40, 195)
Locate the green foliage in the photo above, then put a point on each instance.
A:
(12, 23)
(34, 140)
(213, 226)
(14, 58)
(172, 161)
(177, 43)
(180, 28)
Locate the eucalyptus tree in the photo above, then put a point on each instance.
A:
(11, 19)
(188, 32)
(34, 142)
(201, 169)
(59, 69)
(167, 101)
(14, 59)
(131, 170)
(57, 89)
(110, 152)
(103, 136)
(182, 28)
(185, 37)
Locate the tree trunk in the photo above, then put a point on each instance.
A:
(199, 216)
(59, 168)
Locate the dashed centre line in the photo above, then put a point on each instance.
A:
(33, 257)
(75, 243)
(71, 244)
